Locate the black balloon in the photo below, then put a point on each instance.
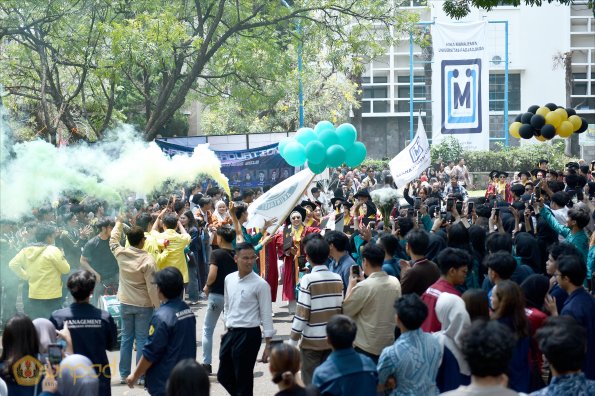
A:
(551, 106)
(537, 121)
(526, 118)
(532, 109)
(518, 118)
(583, 127)
(548, 131)
(526, 131)
(570, 111)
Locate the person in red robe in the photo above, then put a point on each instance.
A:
(491, 189)
(290, 249)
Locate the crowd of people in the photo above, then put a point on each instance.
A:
(486, 295)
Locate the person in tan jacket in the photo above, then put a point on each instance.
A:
(367, 302)
(42, 265)
(137, 293)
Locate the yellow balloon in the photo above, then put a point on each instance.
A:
(576, 122)
(540, 138)
(553, 118)
(542, 111)
(565, 129)
(562, 113)
(513, 129)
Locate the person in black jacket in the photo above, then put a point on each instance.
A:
(92, 330)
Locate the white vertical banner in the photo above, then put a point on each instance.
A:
(460, 88)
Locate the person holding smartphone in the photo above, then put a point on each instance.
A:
(454, 187)
(365, 302)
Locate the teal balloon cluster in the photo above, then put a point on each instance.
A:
(324, 146)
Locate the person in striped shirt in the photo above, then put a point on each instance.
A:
(320, 298)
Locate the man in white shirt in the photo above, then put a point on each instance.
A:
(247, 305)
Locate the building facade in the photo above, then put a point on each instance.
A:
(539, 38)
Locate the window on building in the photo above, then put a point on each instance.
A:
(497, 92)
(375, 92)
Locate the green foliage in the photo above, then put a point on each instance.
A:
(525, 157)
(376, 164)
(78, 66)
(448, 150)
(461, 8)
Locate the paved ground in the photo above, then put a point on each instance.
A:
(262, 381)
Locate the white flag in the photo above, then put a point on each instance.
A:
(413, 160)
(279, 200)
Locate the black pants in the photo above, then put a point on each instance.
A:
(374, 358)
(237, 358)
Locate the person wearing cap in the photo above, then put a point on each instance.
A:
(572, 165)
(503, 187)
(343, 217)
(524, 177)
(289, 249)
(538, 174)
(491, 188)
(363, 197)
(310, 220)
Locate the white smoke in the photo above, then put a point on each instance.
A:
(109, 170)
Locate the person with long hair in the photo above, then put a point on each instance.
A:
(476, 303)
(20, 346)
(284, 365)
(509, 309)
(535, 289)
(458, 237)
(195, 283)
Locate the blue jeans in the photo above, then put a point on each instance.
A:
(214, 309)
(135, 324)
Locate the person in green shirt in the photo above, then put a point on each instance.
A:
(574, 230)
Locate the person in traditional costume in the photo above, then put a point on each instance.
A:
(310, 219)
(503, 187)
(491, 189)
(538, 175)
(343, 218)
(524, 177)
(290, 249)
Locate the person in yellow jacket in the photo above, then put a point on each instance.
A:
(173, 255)
(42, 265)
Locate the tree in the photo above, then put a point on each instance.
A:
(460, 8)
(332, 76)
(49, 53)
(100, 60)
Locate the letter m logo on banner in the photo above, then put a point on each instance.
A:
(461, 96)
